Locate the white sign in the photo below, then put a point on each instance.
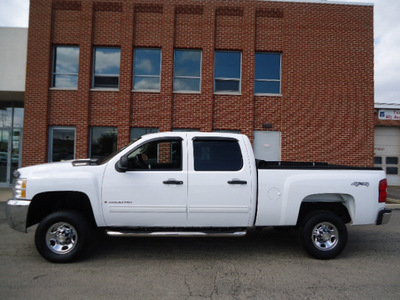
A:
(389, 114)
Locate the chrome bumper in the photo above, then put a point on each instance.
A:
(17, 213)
(383, 216)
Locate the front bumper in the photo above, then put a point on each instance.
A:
(17, 213)
(383, 216)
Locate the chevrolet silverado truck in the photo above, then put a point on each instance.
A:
(192, 184)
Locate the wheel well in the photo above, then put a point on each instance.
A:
(46, 203)
(335, 207)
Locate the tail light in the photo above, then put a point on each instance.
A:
(383, 191)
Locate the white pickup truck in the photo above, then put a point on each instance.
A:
(192, 184)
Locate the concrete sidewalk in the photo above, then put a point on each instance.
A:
(392, 203)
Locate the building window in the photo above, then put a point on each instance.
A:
(268, 73)
(137, 132)
(65, 67)
(228, 72)
(147, 70)
(103, 141)
(187, 71)
(106, 67)
(62, 143)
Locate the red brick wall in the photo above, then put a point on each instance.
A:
(325, 113)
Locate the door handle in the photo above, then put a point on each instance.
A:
(171, 181)
(236, 181)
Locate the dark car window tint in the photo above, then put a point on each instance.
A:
(217, 155)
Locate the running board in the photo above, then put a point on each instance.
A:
(174, 234)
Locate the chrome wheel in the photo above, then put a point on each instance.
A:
(325, 236)
(61, 238)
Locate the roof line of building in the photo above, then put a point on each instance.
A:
(326, 2)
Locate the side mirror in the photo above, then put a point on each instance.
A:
(122, 165)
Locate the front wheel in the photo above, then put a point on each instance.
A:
(323, 235)
(62, 236)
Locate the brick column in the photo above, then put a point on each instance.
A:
(85, 79)
(248, 71)
(207, 80)
(125, 94)
(37, 84)
(167, 67)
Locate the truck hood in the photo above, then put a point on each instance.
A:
(54, 167)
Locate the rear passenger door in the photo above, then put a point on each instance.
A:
(219, 183)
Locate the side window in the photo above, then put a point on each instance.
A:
(217, 155)
(161, 155)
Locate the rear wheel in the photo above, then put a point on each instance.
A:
(62, 236)
(323, 235)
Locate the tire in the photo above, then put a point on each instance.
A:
(62, 236)
(323, 235)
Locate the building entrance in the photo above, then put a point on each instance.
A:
(11, 124)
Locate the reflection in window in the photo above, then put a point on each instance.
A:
(65, 67)
(165, 155)
(187, 72)
(106, 67)
(147, 69)
(137, 133)
(62, 143)
(227, 71)
(103, 141)
(268, 73)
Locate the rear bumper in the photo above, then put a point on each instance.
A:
(383, 216)
(17, 213)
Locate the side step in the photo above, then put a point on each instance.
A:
(175, 233)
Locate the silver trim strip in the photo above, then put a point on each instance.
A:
(175, 234)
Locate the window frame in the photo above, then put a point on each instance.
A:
(268, 80)
(105, 75)
(91, 141)
(51, 140)
(146, 76)
(54, 64)
(228, 92)
(160, 140)
(213, 140)
(188, 77)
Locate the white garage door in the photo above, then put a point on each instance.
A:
(387, 152)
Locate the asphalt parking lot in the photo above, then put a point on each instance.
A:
(269, 265)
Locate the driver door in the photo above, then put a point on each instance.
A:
(153, 190)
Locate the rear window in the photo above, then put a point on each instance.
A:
(217, 155)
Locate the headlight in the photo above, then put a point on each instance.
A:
(20, 188)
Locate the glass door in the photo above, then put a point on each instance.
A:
(11, 124)
(4, 150)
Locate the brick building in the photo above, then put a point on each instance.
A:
(297, 77)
